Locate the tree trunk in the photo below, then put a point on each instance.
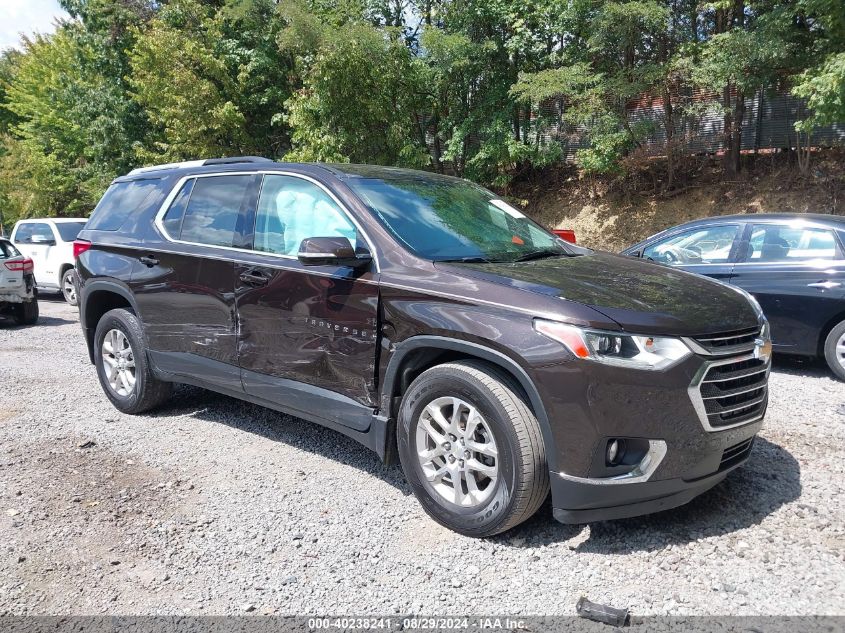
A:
(727, 130)
(803, 153)
(669, 126)
(736, 133)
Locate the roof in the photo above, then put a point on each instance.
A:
(256, 163)
(765, 217)
(57, 220)
(381, 172)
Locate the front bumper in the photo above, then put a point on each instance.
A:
(591, 404)
(587, 500)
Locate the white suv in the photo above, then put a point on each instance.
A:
(49, 242)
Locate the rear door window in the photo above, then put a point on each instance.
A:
(213, 210)
(785, 243)
(173, 218)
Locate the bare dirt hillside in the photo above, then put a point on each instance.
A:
(614, 213)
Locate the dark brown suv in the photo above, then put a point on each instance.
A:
(430, 320)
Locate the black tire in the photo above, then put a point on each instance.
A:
(69, 277)
(26, 313)
(523, 474)
(834, 357)
(148, 392)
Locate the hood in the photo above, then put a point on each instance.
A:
(642, 297)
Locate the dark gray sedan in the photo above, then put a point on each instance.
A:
(793, 264)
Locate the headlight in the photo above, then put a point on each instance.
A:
(615, 348)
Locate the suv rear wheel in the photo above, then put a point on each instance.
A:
(471, 449)
(26, 313)
(834, 350)
(122, 367)
(68, 286)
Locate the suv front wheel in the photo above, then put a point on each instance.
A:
(122, 366)
(471, 449)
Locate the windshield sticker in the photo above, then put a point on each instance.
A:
(504, 206)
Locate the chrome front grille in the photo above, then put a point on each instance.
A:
(727, 343)
(731, 392)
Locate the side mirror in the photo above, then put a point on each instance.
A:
(40, 239)
(330, 251)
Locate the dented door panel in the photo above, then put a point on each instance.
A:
(187, 304)
(316, 325)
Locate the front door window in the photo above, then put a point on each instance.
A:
(292, 209)
(702, 245)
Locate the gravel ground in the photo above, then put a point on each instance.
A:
(214, 506)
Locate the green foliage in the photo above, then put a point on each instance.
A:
(68, 135)
(824, 89)
(359, 98)
(210, 81)
(468, 87)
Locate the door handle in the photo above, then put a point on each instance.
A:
(827, 285)
(149, 260)
(254, 278)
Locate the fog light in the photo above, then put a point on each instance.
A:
(615, 452)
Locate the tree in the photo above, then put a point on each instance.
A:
(210, 81)
(822, 84)
(360, 94)
(620, 61)
(68, 136)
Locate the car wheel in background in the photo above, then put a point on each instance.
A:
(471, 449)
(834, 350)
(69, 286)
(26, 313)
(122, 367)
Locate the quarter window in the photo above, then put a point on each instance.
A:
(781, 242)
(703, 245)
(212, 211)
(292, 209)
(121, 200)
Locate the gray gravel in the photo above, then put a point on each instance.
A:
(213, 506)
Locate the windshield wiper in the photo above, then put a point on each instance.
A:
(468, 260)
(539, 255)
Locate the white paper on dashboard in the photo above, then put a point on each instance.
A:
(504, 206)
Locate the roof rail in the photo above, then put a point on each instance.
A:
(232, 160)
(236, 159)
(186, 163)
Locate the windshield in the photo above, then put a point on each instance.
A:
(452, 220)
(69, 230)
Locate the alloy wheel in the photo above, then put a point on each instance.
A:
(840, 350)
(118, 363)
(68, 289)
(457, 452)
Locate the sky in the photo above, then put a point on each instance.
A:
(27, 16)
